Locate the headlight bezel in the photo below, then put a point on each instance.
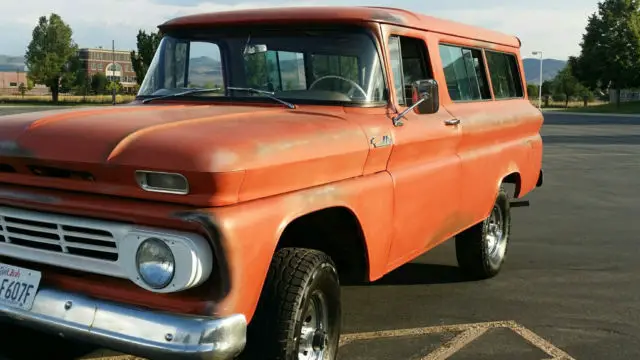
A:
(193, 258)
(145, 277)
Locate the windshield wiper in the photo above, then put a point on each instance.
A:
(269, 94)
(183, 93)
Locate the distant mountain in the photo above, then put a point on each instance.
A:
(11, 63)
(550, 68)
(204, 70)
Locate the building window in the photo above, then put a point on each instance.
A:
(465, 74)
(505, 75)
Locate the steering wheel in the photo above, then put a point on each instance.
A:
(354, 85)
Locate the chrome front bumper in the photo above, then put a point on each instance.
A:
(131, 330)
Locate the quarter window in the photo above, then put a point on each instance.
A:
(464, 73)
(505, 75)
(408, 58)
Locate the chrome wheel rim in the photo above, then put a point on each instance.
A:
(495, 237)
(313, 332)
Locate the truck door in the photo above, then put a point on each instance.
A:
(424, 162)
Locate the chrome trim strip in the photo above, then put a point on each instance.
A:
(132, 330)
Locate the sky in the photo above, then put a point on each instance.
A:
(553, 26)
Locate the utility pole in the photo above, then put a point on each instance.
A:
(541, 81)
(113, 72)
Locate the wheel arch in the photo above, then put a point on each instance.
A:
(334, 230)
(513, 178)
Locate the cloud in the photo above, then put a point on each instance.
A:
(553, 26)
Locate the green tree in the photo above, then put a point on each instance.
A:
(610, 55)
(99, 83)
(82, 82)
(147, 45)
(69, 80)
(22, 89)
(114, 84)
(532, 90)
(547, 88)
(566, 84)
(49, 53)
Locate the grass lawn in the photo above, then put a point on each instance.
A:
(609, 108)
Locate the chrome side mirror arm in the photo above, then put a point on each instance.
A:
(397, 119)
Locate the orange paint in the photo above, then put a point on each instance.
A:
(255, 168)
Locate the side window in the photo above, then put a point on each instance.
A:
(464, 73)
(505, 75)
(205, 67)
(408, 58)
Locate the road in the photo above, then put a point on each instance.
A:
(570, 284)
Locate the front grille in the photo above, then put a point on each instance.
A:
(57, 237)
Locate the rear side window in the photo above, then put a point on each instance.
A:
(464, 71)
(505, 75)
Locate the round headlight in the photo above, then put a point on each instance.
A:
(156, 264)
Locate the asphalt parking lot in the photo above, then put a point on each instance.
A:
(569, 288)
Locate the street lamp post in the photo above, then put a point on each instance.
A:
(540, 89)
(113, 72)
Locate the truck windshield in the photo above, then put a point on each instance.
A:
(299, 66)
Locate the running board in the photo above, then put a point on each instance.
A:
(516, 204)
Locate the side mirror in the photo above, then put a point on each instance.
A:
(425, 98)
(427, 91)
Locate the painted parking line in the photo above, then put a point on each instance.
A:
(467, 334)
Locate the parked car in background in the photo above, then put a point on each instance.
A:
(270, 156)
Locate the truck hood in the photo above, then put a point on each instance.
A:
(218, 148)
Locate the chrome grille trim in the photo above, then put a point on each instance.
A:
(67, 241)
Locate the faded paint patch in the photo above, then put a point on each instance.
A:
(11, 148)
(386, 16)
(24, 196)
(224, 158)
(271, 148)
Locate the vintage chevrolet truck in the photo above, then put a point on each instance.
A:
(270, 156)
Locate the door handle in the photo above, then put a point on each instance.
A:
(452, 122)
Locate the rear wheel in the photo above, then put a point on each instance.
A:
(299, 314)
(482, 249)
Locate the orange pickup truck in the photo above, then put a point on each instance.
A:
(269, 156)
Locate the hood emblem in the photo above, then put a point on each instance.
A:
(378, 142)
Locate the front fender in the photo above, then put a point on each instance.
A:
(250, 232)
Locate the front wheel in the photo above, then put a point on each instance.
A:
(299, 313)
(482, 249)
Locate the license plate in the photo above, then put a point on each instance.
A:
(18, 286)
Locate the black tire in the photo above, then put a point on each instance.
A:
(476, 256)
(297, 278)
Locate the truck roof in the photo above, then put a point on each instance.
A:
(343, 14)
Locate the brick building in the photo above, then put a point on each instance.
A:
(10, 82)
(102, 60)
